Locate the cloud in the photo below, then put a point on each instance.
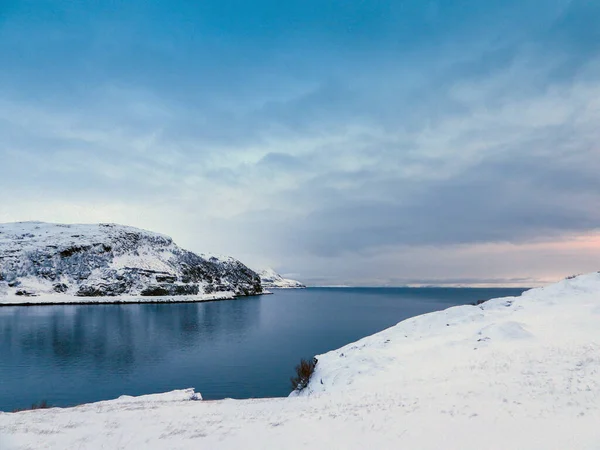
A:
(337, 140)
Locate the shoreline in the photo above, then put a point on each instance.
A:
(55, 300)
(513, 372)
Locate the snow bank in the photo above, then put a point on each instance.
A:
(512, 373)
(182, 395)
(60, 299)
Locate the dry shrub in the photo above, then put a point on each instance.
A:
(304, 370)
(41, 405)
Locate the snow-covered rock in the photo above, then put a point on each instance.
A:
(272, 280)
(107, 260)
(511, 373)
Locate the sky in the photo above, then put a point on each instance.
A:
(341, 142)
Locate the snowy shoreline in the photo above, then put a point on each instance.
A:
(57, 299)
(514, 372)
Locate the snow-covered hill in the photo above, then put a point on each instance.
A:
(110, 260)
(272, 280)
(512, 373)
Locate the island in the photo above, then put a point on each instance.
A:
(44, 263)
(272, 280)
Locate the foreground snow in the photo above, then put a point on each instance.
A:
(513, 373)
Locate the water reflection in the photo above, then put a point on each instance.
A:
(112, 340)
(72, 354)
(119, 335)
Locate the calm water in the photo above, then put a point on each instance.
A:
(246, 348)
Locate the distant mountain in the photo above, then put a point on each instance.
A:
(111, 260)
(272, 280)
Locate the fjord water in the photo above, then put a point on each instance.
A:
(244, 348)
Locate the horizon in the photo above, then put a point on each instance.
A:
(462, 283)
(431, 286)
(337, 142)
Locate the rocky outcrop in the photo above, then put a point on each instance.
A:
(111, 260)
(272, 280)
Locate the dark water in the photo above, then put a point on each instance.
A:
(244, 348)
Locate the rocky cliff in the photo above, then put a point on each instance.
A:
(111, 260)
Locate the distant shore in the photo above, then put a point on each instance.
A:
(58, 299)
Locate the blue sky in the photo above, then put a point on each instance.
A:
(342, 142)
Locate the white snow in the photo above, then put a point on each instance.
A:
(146, 258)
(272, 280)
(29, 236)
(61, 299)
(512, 373)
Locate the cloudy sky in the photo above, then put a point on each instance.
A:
(359, 142)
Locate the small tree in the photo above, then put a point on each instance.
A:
(304, 370)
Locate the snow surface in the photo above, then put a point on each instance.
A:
(60, 299)
(272, 280)
(512, 373)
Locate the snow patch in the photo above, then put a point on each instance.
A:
(506, 331)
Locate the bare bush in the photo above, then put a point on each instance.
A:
(41, 405)
(304, 370)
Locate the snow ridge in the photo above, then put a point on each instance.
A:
(541, 337)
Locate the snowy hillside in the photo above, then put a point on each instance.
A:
(272, 280)
(543, 345)
(108, 260)
(512, 373)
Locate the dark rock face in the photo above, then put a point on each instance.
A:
(154, 291)
(166, 278)
(24, 293)
(61, 288)
(102, 290)
(170, 289)
(112, 260)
